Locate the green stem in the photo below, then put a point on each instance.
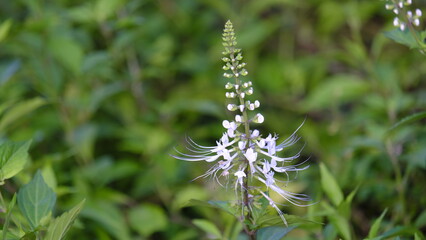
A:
(251, 233)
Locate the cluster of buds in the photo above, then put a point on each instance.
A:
(242, 156)
(403, 17)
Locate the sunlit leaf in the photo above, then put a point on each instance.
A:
(13, 156)
(330, 186)
(376, 225)
(60, 226)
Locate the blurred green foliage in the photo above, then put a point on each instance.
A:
(107, 88)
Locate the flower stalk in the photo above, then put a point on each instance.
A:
(246, 160)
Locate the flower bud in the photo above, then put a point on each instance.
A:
(232, 107)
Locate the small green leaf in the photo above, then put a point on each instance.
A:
(19, 110)
(330, 186)
(376, 225)
(60, 226)
(67, 51)
(412, 118)
(36, 200)
(147, 219)
(4, 29)
(208, 227)
(402, 37)
(223, 205)
(273, 233)
(13, 156)
(8, 216)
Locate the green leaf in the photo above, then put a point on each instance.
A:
(9, 236)
(67, 52)
(409, 119)
(338, 89)
(8, 71)
(13, 156)
(8, 216)
(105, 8)
(208, 227)
(273, 233)
(19, 110)
(4, 29)
(330, 186)
(107, 215)
(147, 219)
(36, 200)
(402, 37)
(376, 225)
(223, 205)
(60, 226)
(399, 231)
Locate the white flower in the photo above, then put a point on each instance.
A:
(240, 175)
(231, 127)
(251, 157)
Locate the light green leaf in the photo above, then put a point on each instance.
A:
(402, 37)
(330, 186)
(147, 219)
(4, 29)
(60, 226)
(9, 236)
(19, 110)
(376, 225)
(13, 157)
(273, 233)
(208, 227)
(67, 52)
(106, 8)
(338, 89)
(36, 200)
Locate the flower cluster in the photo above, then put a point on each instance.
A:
(243, 156)
(403, 17)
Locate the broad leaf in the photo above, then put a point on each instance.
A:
(13, 156)
(273, 233)
(402, 37)
(330, 186)
(60, 226)
(147, 219)
(36, 200)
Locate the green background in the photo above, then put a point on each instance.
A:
(106, 89)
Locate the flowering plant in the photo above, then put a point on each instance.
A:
(247, 161)
(406, 22)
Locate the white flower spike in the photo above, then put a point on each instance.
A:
(242, 156)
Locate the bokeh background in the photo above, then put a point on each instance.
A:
(107, 88)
